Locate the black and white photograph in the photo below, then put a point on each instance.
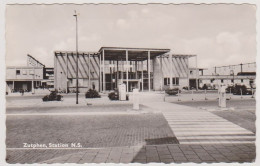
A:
(130, 83)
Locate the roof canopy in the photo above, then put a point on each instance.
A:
(134, 54)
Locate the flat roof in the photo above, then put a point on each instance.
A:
(23, 67)
(74, 52)
(134, 54)
(180, 55)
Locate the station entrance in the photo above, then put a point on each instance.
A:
(131, 66)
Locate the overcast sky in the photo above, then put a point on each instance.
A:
(219, 34)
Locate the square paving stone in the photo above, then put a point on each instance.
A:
(167, 160)
(192, 156)
(143, 161)
(177, 154)
(167, 156)
(99, 160)
(153, 159)
(194, 160)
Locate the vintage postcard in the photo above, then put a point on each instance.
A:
(130, 83)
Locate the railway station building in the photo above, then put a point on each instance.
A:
(144, 68)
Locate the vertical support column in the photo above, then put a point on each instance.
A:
(142, 75)
(13, 85)
(100, 75)
(136, 68)
(89, 86)
(188, 74)
(161, 73)
(104, 80)
(117, 74)
(196, 72)
(111, 77)
(122, 72)
(33, 91)
(149, 70)
(66, 72)
(127, 67)
(170, 58)
(55, 71)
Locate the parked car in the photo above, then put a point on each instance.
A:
(53, 96)
(242, 88)
(173, 91)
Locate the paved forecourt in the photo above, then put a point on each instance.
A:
(169, 153)
(196, 126)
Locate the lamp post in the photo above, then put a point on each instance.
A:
(77, 64)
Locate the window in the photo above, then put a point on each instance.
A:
(18, 72)
(222, 80)
(24, 72)
(212, 80)
(31, 72)
(165, 81)
(242, 80)
(177, 81)
(173, 81)
(232, 80)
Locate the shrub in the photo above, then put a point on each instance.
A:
(205, 87)
(113, 96)
(52, 96)
(91, 93)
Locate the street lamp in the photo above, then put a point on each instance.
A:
(77, 64)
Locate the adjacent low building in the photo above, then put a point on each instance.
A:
(28, 78)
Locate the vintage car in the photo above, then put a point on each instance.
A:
(53, 96)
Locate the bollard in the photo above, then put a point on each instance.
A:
(206, 94)
(164, 97)
(222, 96)
(179, 95)
(135, 99)
(241, 93)
(192, 94)
(230, 93)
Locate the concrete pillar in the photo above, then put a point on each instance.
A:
(122, 72)
(197, 86)
(13, 85)
(135, 68)
(161, 73)
(66, 72)
(111, 77)
(100, 75)
(89, 86)
(149, 70)
(171, 70)
(55, 71)
(142, 75)
(188, 74)
(104, 80)
(117, 73)
(127, 86)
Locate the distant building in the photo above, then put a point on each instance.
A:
(241, 74)
(28, 78)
